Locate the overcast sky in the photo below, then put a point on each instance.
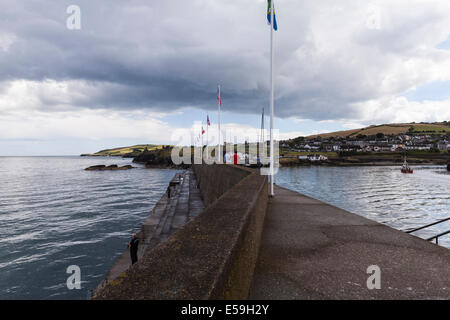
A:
(139, 70)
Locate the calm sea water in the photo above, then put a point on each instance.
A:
(383, 194)
(53, 214)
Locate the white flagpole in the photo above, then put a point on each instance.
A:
(207, 139)
(271, 98)
(202, 136)
(218, 103)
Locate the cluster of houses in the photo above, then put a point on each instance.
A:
(379, 143)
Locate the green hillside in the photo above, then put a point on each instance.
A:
(122, 151)
(389, 129)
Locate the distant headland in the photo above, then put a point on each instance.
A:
(386, 144)
(150, 155)
(126, 152)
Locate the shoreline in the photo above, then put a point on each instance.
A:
(295, 162)
(366, 161)
(362, 164)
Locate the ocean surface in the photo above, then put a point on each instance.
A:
(384, 194)
(53, 214)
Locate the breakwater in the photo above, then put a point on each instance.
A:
(291, 246)
(179, 204)
(312, 250)
(382, 194)
(211, 257)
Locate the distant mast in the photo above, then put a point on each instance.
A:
(207, 135)
(219, 103)
(262, 138)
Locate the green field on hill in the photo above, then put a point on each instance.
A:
(391, 129)
(430, 129)
(126, 150)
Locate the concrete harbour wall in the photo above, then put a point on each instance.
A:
(245, 245)
(215, 180)
(211, 257)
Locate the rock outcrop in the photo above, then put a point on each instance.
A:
(102, 167)
(160, 158)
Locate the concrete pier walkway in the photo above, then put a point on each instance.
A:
(167, 216)
(312, 250)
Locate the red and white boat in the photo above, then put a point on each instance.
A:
(406, 168)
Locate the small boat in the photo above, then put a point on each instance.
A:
(406, 168)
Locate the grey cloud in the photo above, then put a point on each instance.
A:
(164, 55)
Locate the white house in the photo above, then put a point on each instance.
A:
(316, 157)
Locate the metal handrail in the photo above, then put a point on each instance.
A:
(438, 235)
(432, 224)
(428, 225)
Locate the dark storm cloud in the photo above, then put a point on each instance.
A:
(164, 55)
(135, 53)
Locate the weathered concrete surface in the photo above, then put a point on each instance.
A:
(215, 180)
(311, 250)
(211, 257)
(168, 215)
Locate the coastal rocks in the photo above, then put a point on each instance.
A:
(160, 158)
(110, 167)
